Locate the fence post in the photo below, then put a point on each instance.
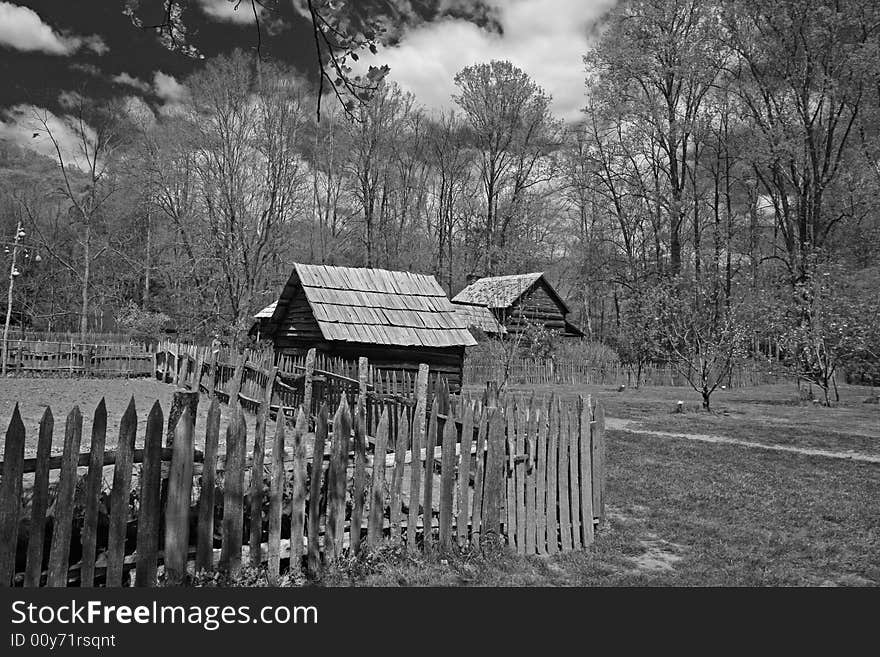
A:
(150, 501)
(275, 494)
(181, 400)
(40, 501)
(59, 553)
(314, 556)
(10, 496)
(233, 493)
(205, 540)
(93, 496)
(360, 457)
(418, 440)
(256, 492)
(179, 496)
(119, 496)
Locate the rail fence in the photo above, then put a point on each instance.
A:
(547, 372)
(57, 358)
(428, 474)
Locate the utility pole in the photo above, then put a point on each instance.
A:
(13, 272)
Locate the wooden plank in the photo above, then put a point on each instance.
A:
(562, 474)
(205, 530)
(89, 529)
(586, 471)
(447, 485)
(551, 507)
(336, 479)
(377, 494)
(59, 552)
(39, 501)
(574, 478)
(307, 385)
(10, 496)
(541, 480)
(257, 467)
(359, 478)
(493, 479)
(418, 442)
(509, 498)
(530, 440)
(233, 493)
(479, 469)
(428, 475)
(314, 553)
(599, 474)
(149, 514)
(464, 474)
(276, 494)
(401, 444)
(519, 476)
(298, 493)
(179, 496)
(120, 496)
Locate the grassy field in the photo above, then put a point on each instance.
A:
(680, 512)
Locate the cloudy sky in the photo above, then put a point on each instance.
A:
(51, 48)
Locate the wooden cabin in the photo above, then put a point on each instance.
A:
(396, 319)
(521, 298)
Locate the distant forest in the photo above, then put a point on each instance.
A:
(719, 192)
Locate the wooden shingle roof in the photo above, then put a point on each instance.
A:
(504, 291)
(480, 317)
(376, 306)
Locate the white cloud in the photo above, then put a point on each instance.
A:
(22, 125)
(168, 88)
(23, 29)
(545, 38)
(224, 10)
(131, 81)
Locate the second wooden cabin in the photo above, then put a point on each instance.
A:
(396, 319)
(520, 300)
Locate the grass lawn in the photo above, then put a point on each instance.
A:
(686, 513)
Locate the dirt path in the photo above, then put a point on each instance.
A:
(617, 424)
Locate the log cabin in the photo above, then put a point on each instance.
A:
(520, 299)
(396, 319)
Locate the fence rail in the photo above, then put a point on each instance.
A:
(452, 473)
(546, 372)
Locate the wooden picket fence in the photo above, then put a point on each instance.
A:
(55, 358)
(522, 371)
(454, 473)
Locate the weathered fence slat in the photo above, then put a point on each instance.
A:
(178, 504)
(551, 505)
(509, 497)
(59, 553)
(479, 468)
(400, 446)
(149, 514)
(205, 527)
(464, 473)
(298, 494)
(93, 496)
(562, 481)
(494, 478)
(276, 493)
(359, 482)
(573, 477)
(428, 500)
(519, 472)
(233, 493)
(314, 554)
(586, 470)
(10, 496)
(40, 502)
(336, 479)
(256, 490)
(120, 495)
(541, 483)
(599, 474)
(377, 495)
(531, 448)
(447, 483)
(418, 442)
